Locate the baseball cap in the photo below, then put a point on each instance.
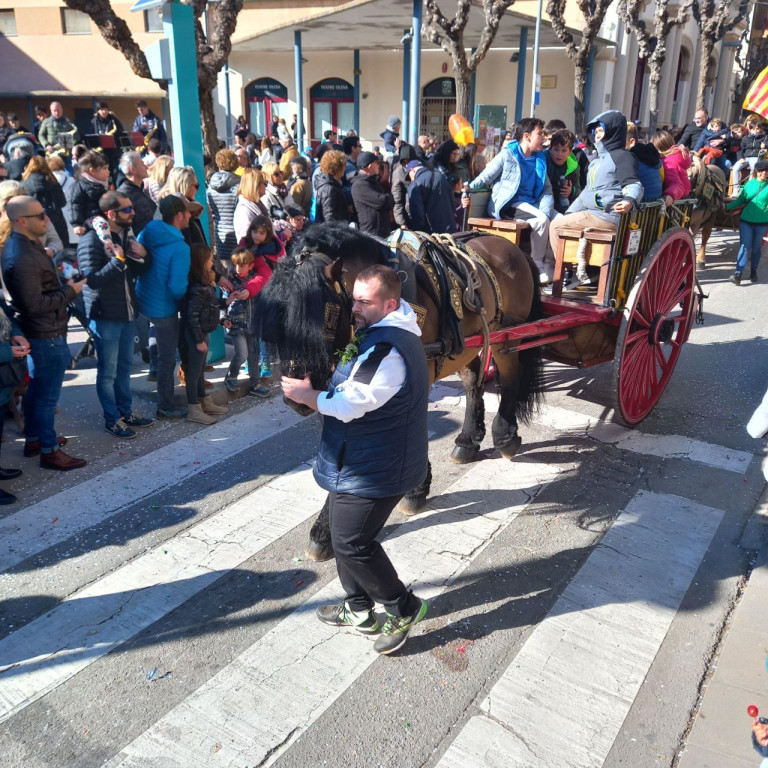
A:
(366, 158)
(413, 164)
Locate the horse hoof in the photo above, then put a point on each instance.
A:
(463, 454)
(412, 505)
(509, 450)
(319, 552)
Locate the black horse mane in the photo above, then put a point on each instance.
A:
(291, 307)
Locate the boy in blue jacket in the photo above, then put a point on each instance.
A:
(161, 288)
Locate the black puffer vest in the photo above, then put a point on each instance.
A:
(383, 453)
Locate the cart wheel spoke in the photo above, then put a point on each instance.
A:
(657, 324)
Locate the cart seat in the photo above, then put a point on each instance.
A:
(510, 229)
(598, 253)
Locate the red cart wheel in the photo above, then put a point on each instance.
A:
(656, 323)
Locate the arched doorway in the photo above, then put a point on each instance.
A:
(331, 107)
(266, 99)
(438, 103)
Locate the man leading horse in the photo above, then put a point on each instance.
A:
(372, 451)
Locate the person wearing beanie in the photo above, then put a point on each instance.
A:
(390, 135)
(753, 223)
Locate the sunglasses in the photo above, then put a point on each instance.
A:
(40, 216)
(127, 209)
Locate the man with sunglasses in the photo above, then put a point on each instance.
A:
(41, 301)
(112, 307)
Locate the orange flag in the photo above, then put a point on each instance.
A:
(756, 99)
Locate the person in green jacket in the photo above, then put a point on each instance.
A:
(563, 169)
(753, 223)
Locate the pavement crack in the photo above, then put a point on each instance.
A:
(270, 752)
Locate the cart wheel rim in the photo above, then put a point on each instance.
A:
(656, 323)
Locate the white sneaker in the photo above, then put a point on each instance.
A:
(544, 278)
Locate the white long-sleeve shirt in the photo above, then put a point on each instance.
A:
(376, 377)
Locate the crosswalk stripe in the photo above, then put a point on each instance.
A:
(256, 707)
(575, 423)
(94, 621)
(93, 501)
(565, 695)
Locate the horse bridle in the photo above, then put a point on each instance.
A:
(333, 309)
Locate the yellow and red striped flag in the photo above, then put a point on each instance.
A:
(756, 99)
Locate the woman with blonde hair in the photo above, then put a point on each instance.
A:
(158, 176)
(252, 187)
(182, 182)
(276, 194)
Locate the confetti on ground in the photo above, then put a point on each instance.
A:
(151, 675)
(298, 583)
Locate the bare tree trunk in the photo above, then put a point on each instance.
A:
(707, 46)
(653, 96)
(463, 94)
(580, 97)
(208, 122)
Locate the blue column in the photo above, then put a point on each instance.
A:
(299, 91)
(406, 82)
(415, 96)
(521, 74)
(588, 87)
(472, 85)
(356, 65)
(183, 96)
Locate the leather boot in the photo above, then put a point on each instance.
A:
(211, 408)
(198, 415)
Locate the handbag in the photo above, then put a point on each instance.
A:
(12, 373)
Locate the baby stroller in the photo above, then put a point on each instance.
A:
(65, 262)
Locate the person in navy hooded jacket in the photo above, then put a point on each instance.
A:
(613, 184)
(521, 187)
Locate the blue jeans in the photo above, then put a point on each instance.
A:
(114, 359)
(167, 333)
(751, 237)
(244, 349)
(48, 361)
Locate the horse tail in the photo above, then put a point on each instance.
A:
(530, 375)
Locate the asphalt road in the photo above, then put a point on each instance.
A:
(156, 608)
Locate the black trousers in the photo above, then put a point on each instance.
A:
(366, 573)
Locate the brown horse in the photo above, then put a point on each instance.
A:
(708, 185)
(305, 315)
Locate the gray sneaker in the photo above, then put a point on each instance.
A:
(341, 615)
(120, 429)
(395, 631)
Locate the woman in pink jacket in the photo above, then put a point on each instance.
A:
(676, 162)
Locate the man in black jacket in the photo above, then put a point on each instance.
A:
(430, 200)
(41, 301)
(693, 130)
(134, 172)
(112, 307)
(372, 203)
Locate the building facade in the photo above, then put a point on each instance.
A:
(355, 67)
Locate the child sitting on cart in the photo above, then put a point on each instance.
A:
(613, 185)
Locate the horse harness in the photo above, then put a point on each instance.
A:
(450, 271)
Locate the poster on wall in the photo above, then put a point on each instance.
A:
(490, 123)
